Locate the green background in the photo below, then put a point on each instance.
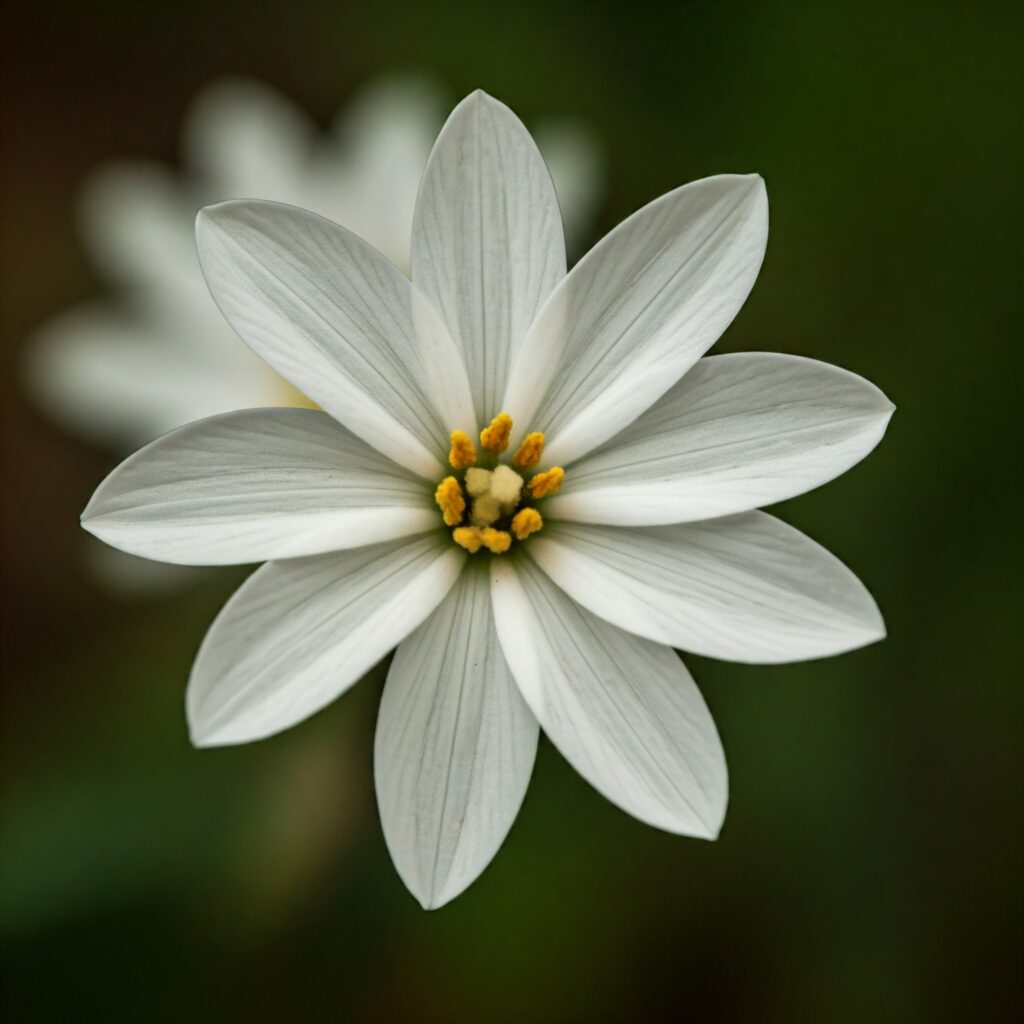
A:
(869, 868)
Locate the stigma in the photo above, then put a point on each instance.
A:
(490, 507)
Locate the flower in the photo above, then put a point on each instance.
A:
(123, 373)
(527, 481)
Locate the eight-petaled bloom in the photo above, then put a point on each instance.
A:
(525, 479)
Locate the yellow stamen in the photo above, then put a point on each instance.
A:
(450, 500)
(525, 522)
(495, 437)
(529, 452)
(506, 486)
(478, 481)
(467, 537)
(486, 509)
(547, 482)
(463, 451)
(496, 541)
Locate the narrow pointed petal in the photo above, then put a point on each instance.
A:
(255, 485)
(744, 588)
(370, 173)
(455, 746)
(574, 157)
(624, 712)
(487, 244)
(341, 323)
(136, 221)
(638, 311)
(737, 432)
(245, 139)
(298, 633)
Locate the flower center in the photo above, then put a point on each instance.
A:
(491, 505)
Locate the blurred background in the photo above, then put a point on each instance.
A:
(869, 868)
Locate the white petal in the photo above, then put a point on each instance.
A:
(255, 485)
(340, 322)
(487, 244)
(125, 379)
(637, 312)
(247, 140)
(623, 711)
(371, 173)
(745, 588)
(137, 222)
(455, 746)
(737, 432)
(574, 157)
(298, 633)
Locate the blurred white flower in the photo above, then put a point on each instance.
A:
(518, 597)
(123, 372)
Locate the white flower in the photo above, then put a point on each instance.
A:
(123, 373)
(524, 607)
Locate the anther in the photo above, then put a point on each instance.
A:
(463, 451)
(547, 482)
(467, 537)
(496, 541)
(495, 437)
(529, 452)
(450, 500)
(525, 522)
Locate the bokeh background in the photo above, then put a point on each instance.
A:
(869, 868)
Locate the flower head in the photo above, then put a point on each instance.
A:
(527, 481)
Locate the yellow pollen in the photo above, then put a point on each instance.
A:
(496, 541)
(529, 452)
(495, 437)
(478, 481)
(547, 482)
(486, 509)
(467, 537)
(463, 451)
(525, 522)
(450, 500)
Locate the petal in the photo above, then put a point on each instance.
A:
(298, 633)
(371, 173)
(455, 747)
(624, 712)
(574, 158)
(247, 140)
(137, 222)
(487, 246)
(744, 588)
(637, 312)
(737, 432)
(255, 485)
(340, 322)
